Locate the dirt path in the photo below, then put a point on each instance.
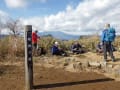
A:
(12, 78)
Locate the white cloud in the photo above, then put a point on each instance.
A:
(16, 3)
(87, 18)
(3, 17)
(21, 3)
(5, 31)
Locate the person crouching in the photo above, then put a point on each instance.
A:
(57, 51)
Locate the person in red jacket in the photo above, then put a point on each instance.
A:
(35, 39)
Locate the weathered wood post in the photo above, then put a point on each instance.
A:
(28, 58)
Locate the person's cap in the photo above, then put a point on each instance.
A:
(56, 43)
(107, 25)
(36, 31)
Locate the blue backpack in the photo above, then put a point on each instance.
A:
(111, 34)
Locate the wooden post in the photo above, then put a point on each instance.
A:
(28, 58)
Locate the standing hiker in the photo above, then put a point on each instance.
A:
(107, 37)
(35, 41)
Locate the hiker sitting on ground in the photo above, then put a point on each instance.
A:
(99, 48)
(77, 48)
(58, 51)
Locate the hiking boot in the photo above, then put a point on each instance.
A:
(105, 60)
(105, 63)
(113, 60)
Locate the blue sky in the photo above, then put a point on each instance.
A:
(69, 16)
(37, 7)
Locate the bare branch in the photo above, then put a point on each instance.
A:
(14, 26)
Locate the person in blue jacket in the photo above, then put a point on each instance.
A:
(57, 51)
(77, 48)
(107, 37)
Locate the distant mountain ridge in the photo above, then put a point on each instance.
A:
(59, 35)
(2, 36)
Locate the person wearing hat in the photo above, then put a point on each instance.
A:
(57, 51)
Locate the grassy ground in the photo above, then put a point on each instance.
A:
(12, 67)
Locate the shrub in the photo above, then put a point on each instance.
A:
(14, 46)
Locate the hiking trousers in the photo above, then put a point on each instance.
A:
(107, 48)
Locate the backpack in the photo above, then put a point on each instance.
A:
(111, 34)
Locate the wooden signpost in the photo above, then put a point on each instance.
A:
(28, 58)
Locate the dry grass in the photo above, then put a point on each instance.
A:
(11, 47)
(14, 47)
